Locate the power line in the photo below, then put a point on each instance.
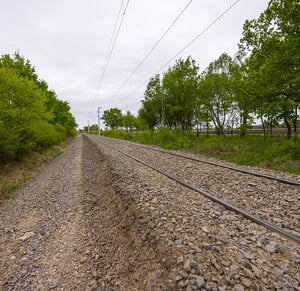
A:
(115, 40)
(189, 44)
(111, 40)
(155, 45)
(107, 53)
(198, 35)
(111, 46)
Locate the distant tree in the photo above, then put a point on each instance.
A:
(180, 84)
(112, 118)
(92, 128)
(243, 94)
(129, 121)
(216, 94)
(151, 112)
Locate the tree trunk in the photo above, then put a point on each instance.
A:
(263, 125)
(288, 126)
(207, 129)
(295, 119)
(243, 125)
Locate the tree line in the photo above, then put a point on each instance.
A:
(262, 81)
(115, 119)
(32, 117)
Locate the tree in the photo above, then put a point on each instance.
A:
(112, 118)
(272, 43)
(180, 85)
(129, 121)
(242, 93)
(152, 111)
(62, 117)
(29, 117)
(216, 94)
(20, 66)
(21, 109)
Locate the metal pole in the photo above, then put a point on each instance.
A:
(88, 126)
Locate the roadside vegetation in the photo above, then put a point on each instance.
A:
(32, 118)
(273, 152)
(34, 124)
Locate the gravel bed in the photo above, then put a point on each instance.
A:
(95, 219)
(273, 201)
(208, 247)
(279, 174)
(67, 229)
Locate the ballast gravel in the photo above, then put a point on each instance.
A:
(95, 219)
(230, 252)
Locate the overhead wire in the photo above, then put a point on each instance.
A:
(111, 40)
(189, 44)
(115, 40)
(111, 46)
(155, 45)
(198, 35)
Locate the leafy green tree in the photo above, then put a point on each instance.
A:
(152, 111)
(112, 118)
(216, 93)
(272, 44)
(243, 94)
(180, 84)
(21, 109)
(91, 129)
(20, 66)
(29, 117)
(129, 121)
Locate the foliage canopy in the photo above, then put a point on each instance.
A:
(32, 117)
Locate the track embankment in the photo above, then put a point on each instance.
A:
(68, 229)
(95, 219)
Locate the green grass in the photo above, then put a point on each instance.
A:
(273, 152)
(14, 174)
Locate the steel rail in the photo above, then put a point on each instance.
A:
(282, 180)
(213, 198)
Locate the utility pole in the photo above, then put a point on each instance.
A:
(88, 126)
(99, 119)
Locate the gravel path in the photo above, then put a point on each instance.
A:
(97, 220)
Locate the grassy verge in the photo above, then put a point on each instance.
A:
(272, 152)
(13, 175)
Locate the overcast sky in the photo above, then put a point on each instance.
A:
(67, 42)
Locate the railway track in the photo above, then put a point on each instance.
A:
(283, 225)
(218, 164)
(207, 245)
